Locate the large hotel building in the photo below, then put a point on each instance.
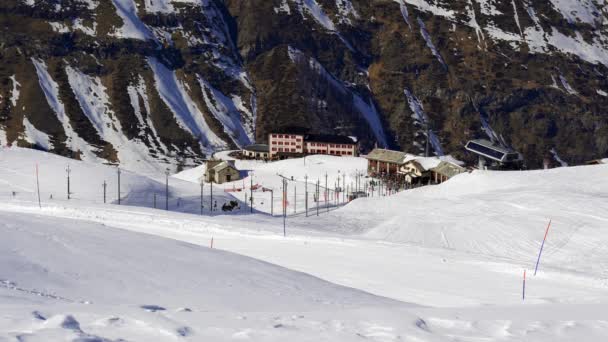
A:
(284, 145)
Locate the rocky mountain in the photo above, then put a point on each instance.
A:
(151, 84)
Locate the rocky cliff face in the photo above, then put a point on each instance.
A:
(156, 83)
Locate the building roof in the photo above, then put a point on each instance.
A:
(257, 148)
(389, 156)
(329, 138)
(223, 165)
(448, 169)
(426, 163)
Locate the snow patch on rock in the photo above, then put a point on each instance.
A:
(35, 136)
(16, 91)
(137, 91)
(420, 118)
(283, 8)
(429, 43)
(583, 11)
(434, 8)
(346, 10)
(226, 111)
(314, 9)
(51, 92)
(189, 117)
(132, 27)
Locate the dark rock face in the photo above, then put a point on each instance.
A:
(153, 83)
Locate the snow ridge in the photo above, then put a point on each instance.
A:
(516, 17)
(94, 101)
(405, 14)
(16, 91)
(136, 92)
(226, 111)
(346, 10)
(132, 27)
(425, 6)
(567, 86)
(188, 116)
(51, 91)
(591, 49)
(429, 43)
(313, 8)
(583, 11)
(473, 22)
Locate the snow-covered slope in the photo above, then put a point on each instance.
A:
(65, 281)
(458, 249)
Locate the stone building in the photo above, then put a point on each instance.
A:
(221, 171)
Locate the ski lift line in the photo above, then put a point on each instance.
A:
(294, 180)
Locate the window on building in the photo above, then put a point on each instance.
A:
(274, 135)
(293, 150)
(274, 148)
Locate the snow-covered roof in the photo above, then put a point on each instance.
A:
(448, 169)
(426, 163)
(390, 156)
(223, 165)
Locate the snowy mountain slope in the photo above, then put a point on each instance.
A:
(463, 61)
(458, 249)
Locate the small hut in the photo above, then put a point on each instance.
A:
(256, 151)
(221, 171)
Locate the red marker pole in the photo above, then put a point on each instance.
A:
(541, 247)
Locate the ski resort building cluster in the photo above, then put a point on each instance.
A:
(411, 169)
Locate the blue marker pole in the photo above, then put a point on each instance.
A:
(523, 294)
(541, 248)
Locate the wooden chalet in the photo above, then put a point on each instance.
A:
(384, 162)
